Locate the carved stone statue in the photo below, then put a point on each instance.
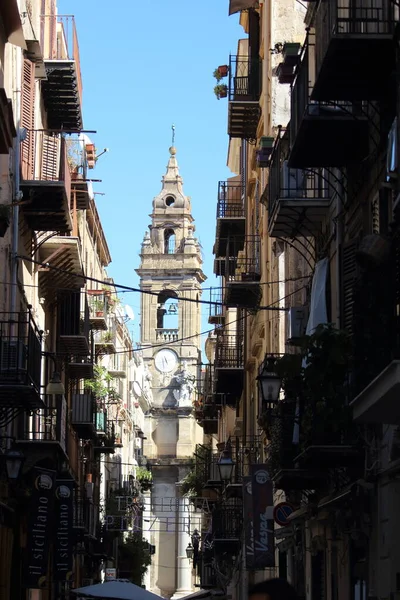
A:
(147, 381)
(186, 382)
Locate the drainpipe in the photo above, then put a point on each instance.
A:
(15, 198)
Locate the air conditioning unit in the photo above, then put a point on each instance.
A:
(13, 357)
(297, 323)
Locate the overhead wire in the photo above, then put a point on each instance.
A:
(133, 289)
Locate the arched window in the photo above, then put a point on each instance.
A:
(169, 200)
(169, 241)
(167, 311)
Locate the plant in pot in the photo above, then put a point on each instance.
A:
(220, 72)
(4, 218)
(221, 91)
(98, 306)
(144, 477)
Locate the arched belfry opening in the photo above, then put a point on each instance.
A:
(169, 241)
(167, 310)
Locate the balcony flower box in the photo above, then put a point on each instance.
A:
(223, 70)
(263, 157)
(290, 53)
(285, 73)
(267, 142)
(221, 91)
(90, 155)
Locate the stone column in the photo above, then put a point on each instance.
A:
(147, 535)
(183, 564)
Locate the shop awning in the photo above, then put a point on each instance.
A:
(237, 5)
(11, 18)
(205, 595)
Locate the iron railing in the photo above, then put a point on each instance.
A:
(230, 200)
(47, 424)
(73, 314)
(364, 19)
(59, 42)
(216, 308)
(287, 183)
(245, 452)
(109, 337)
(302, 104)
(83, 409)
(229, 352)
(98, 304)
(227, 522)
(248, 258)
(20, 350)
(244, 78)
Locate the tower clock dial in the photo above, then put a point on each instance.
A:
(166, 360)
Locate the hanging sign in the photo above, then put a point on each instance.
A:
(263, 524)
(248, 518)
(63, 532)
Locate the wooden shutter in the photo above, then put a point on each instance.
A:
(28, 119)
(349, 274)
(50, 157)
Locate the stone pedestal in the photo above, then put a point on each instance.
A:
(183, 565)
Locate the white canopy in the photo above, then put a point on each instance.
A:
(116, 590)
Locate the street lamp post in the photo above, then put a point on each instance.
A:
(225, 466)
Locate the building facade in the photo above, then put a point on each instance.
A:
(170, 281)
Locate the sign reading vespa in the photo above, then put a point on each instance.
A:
(39, 529)
(63, 542)
(248, 520)
(263, 523)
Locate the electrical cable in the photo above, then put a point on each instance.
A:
(132, 289)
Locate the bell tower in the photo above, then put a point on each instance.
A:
(171, 276)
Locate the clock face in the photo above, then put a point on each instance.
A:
(166, 361)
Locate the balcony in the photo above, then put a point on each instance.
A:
(298, 199)
(245, 452)
(105, 434)
(81, 367)
(216, 314)
(20, 365)
(83, 415)
(98, 309)
(167, 335)
(223, 267)
(324, 134)
(244, 95)
(355, 54)
(62, 91)
(106, 341)
(242, 289)
(44, 433)
(227, 524)
(230, 214)
(63, 253)
(45, 182)
(73, 325)
(229, 367)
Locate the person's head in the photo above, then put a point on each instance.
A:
(272, 589)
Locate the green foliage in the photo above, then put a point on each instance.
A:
(217, 75)
(134, 558)
(143, 474)
(221, 90)
(100, 384)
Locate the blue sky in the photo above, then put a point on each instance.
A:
(146, 65)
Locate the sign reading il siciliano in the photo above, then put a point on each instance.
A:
(40, 523)
(63, 542)
(263, 522)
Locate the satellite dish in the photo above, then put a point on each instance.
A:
(129, 312)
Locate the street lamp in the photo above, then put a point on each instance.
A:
(269, 381)
(225, 466)
(14, 460)
(189, 551)
(55, 387)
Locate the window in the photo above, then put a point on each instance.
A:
(169, 200)
(169, 241)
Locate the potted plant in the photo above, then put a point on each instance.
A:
(98, 307)
(91, 155)
(4, 218)
(221, 71)
(221, 91)
(144, 477)
(263, 154)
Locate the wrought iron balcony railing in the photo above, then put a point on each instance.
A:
(227, 523)
(216, 309)
(73, 325)
(229, 352)
(244, 93)
(354, 49)
(245, 452)
(98, 308)
(46, 425)
(230, 200)
(298, 199)
(324, 133)
(62, 91)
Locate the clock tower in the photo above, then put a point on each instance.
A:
(171, 276)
